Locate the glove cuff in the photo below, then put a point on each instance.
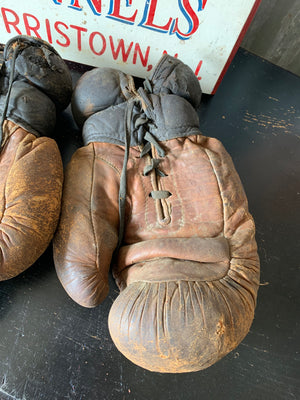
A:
(161, 260)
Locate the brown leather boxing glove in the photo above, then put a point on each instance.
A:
(165, 204)
(35, 83)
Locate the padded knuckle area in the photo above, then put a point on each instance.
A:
(31, 188)
(179, 326)
(38, 62)
(95, 91)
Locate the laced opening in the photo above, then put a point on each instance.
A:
(150, 149)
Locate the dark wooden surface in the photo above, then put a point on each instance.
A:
(51, 348)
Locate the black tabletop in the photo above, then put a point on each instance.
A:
(51, 348)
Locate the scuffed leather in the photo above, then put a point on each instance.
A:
(87, 234)
(195, 322)
(31, 178)
(34, 85)
(39, 64)
(187, 267)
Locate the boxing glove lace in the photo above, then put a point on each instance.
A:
(163, 204)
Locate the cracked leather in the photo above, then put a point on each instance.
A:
(34, 84)
(187, 267)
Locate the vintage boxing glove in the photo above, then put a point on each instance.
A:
(35, 83)
(164, 204)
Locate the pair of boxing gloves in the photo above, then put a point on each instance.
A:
(147, 196)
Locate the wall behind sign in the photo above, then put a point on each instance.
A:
(274, 33)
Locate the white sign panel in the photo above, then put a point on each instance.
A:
(132, 35)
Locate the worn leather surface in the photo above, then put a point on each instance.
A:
(39, 64)
(187, 267)
(31, 178)
(34, 85)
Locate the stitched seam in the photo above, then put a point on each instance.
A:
(129, 213)
(172, 128)
(146, 202)
(161, 204)
(219, 186)
(91, 214)
(116, 169)
(181, 221)
(4, 209)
